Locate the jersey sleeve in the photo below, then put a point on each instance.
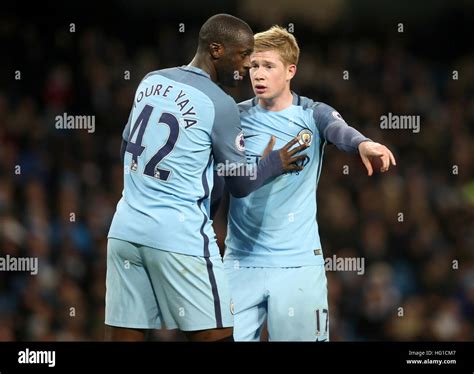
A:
(332, 127)
(227, 137)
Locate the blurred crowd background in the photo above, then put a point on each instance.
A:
(414, 225)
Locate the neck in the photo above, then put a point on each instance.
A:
(204, 63)
(277, 103)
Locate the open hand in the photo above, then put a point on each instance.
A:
(288, 156)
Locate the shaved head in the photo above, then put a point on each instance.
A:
(223, 29)
(224, 49)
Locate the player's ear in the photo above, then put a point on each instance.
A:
(291, 71)
(216, 50)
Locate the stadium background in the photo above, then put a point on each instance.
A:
(409, 264)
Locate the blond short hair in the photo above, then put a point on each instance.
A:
(277, 38)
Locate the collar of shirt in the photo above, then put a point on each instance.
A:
(296, 99)
(196, 70)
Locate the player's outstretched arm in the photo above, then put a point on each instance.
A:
(346, 138)
(273, 164)
(370, 151)
(349, 139)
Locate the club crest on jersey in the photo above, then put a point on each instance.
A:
(240, 142)
(306, 137)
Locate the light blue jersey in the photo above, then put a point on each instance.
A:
(181, 124)
(275, 226)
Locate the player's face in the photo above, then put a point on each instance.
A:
(234, 64)
(270, 76)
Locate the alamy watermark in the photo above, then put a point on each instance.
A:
(11, 263)
(28, 356)
(398, 122)
(69, 122)
(335, 263)
(232, 169)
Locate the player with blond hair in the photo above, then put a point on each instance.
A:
(274, 259)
